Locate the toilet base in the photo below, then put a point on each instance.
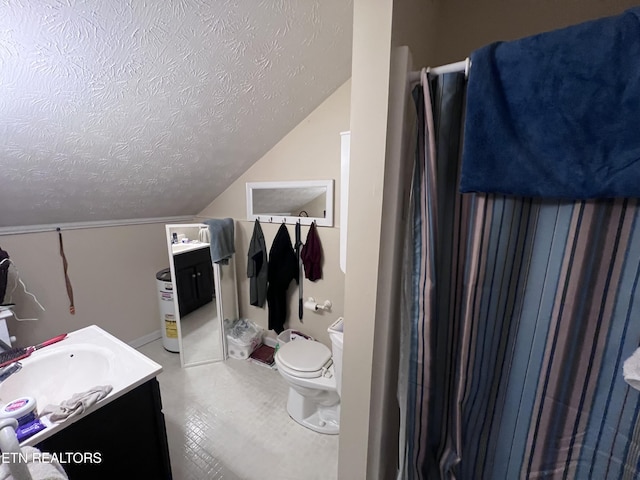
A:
(322, 418)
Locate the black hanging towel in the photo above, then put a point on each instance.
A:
(283, 267)
(257, 267)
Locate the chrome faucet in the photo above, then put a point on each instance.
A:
(6, 372)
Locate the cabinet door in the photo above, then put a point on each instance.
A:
(204, 282)
(129, 433)
(187, 290)
(194, 277)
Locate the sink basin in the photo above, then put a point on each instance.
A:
(177, 248)
(57, 372)
(87, 358)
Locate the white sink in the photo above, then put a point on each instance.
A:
(177, 248)
(87, 358)
(58, 372)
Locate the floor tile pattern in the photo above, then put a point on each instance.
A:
(228, 421)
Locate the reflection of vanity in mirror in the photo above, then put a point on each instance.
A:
(288, 202)
(204, 294)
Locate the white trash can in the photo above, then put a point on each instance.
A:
(243, 337)
(168, 325)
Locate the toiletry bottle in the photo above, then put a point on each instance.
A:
(23, 409)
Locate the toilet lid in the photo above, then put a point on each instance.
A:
(304, 355)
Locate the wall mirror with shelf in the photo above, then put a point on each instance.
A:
(289, 202)
(204, 294)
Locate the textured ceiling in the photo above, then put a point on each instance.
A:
(126, 109)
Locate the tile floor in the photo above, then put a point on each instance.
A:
(228, 420)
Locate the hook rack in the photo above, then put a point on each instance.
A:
(286, 220)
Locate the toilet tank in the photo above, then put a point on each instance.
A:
(336, 334)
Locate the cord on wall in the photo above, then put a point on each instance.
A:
(24, 288)
(65, 266)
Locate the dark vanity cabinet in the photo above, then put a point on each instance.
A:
(129, 434)
(194, 279)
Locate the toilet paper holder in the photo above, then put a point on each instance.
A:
(311, 304)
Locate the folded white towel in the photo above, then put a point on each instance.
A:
(631, 370)
(77, 404)
(45, 468)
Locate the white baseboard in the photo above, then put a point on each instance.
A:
(138, 342)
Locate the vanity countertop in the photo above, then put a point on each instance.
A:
(178, 248)
(87, 358)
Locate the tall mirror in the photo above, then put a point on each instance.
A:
(204, 294)
(289, 202)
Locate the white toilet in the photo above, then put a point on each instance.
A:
(314, 378)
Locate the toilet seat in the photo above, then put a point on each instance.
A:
(304, 358)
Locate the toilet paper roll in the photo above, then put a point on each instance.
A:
(309, 305)
(631, 370)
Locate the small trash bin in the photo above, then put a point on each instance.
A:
(243, 337)
(168, 325)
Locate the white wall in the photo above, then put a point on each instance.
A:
(311, 151)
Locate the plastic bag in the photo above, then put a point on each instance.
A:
(243, 330)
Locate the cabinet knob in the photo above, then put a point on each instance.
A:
(199, 273)
(193, 275)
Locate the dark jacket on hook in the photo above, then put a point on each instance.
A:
(257, 267)
(312, 255)
(283, 267)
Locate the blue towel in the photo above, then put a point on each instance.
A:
(222, 240)
(557, 114)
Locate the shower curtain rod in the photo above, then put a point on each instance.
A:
(462, 66)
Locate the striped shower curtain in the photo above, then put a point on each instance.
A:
(519, 314)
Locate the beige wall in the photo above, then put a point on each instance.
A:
(415, 24)
(465, 25)
(378, 180)
(379, 175)
(369, 101)
(112, 271)
(311, 151)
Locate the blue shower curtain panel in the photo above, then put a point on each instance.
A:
(522, 312)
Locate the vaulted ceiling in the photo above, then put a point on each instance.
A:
(126, 109)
